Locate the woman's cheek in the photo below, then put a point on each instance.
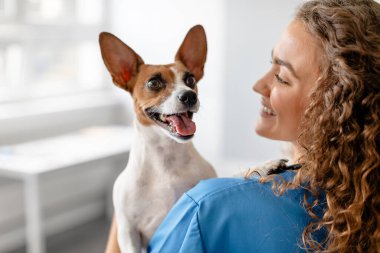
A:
(277, 101)
(286, 105)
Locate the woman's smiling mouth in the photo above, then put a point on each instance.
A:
(268, 111)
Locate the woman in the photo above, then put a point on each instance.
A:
(322, 95)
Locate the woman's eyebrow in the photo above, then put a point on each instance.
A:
(285, 64)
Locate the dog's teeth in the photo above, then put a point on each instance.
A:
(162, 118)
(172, 128)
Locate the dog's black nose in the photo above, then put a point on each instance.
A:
(188, 98)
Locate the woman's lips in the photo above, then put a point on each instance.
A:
(267, 112)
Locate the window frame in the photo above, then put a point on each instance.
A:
(17, 30)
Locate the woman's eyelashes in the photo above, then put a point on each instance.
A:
(280, 80)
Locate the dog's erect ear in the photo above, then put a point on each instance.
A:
(121, 61)
(192, 53)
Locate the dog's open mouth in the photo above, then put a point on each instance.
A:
(179, 124)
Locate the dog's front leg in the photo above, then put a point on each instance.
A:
(128, 237)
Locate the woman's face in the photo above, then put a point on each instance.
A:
(285, 88)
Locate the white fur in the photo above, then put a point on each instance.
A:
(171, 105)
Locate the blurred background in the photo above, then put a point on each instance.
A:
(64, 127)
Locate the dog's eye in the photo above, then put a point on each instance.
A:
(190, 80)
(154, 83)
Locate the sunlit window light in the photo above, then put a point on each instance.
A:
(89, 11)
(2, 67)
(43, 11)
(89, 64)
(8, 8)
(51, 9)
(50, 47)
(13, 68)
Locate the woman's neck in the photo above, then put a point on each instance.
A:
(296, 153)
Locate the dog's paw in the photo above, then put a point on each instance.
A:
(274, 167)
(263, 170)
(271, 167)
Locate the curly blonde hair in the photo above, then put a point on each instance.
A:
(340, 131)
(341, 126)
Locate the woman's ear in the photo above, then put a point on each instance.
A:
(121, 61)
(193, 50)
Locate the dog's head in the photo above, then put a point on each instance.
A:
(164, 95)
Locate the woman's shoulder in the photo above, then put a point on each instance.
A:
(237, 188)
(233, 215)
(212, 187)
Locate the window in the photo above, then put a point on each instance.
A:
(50, 47)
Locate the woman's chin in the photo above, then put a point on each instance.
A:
(263, 131)
(275, 134)
(264, 128)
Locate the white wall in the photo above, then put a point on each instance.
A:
(155, 30)
(253, 28)
(241, 35)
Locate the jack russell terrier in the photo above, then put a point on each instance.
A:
(163, 163)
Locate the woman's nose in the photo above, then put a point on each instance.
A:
(262, 86)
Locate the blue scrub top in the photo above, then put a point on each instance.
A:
(234, 215)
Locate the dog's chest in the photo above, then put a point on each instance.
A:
(167, 168)
(149, 187)
(159, 171)
(157, 174)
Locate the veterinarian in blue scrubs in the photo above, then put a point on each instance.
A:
(322, 95)
(227, 215)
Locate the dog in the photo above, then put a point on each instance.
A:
(163, 163)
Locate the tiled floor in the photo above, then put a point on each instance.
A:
(88, 238)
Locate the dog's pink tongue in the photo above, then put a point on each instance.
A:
(183, 124)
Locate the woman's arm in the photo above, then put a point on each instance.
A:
(112, 244)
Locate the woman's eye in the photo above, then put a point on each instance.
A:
(280, 80)
(154, 84)
(190, 80)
